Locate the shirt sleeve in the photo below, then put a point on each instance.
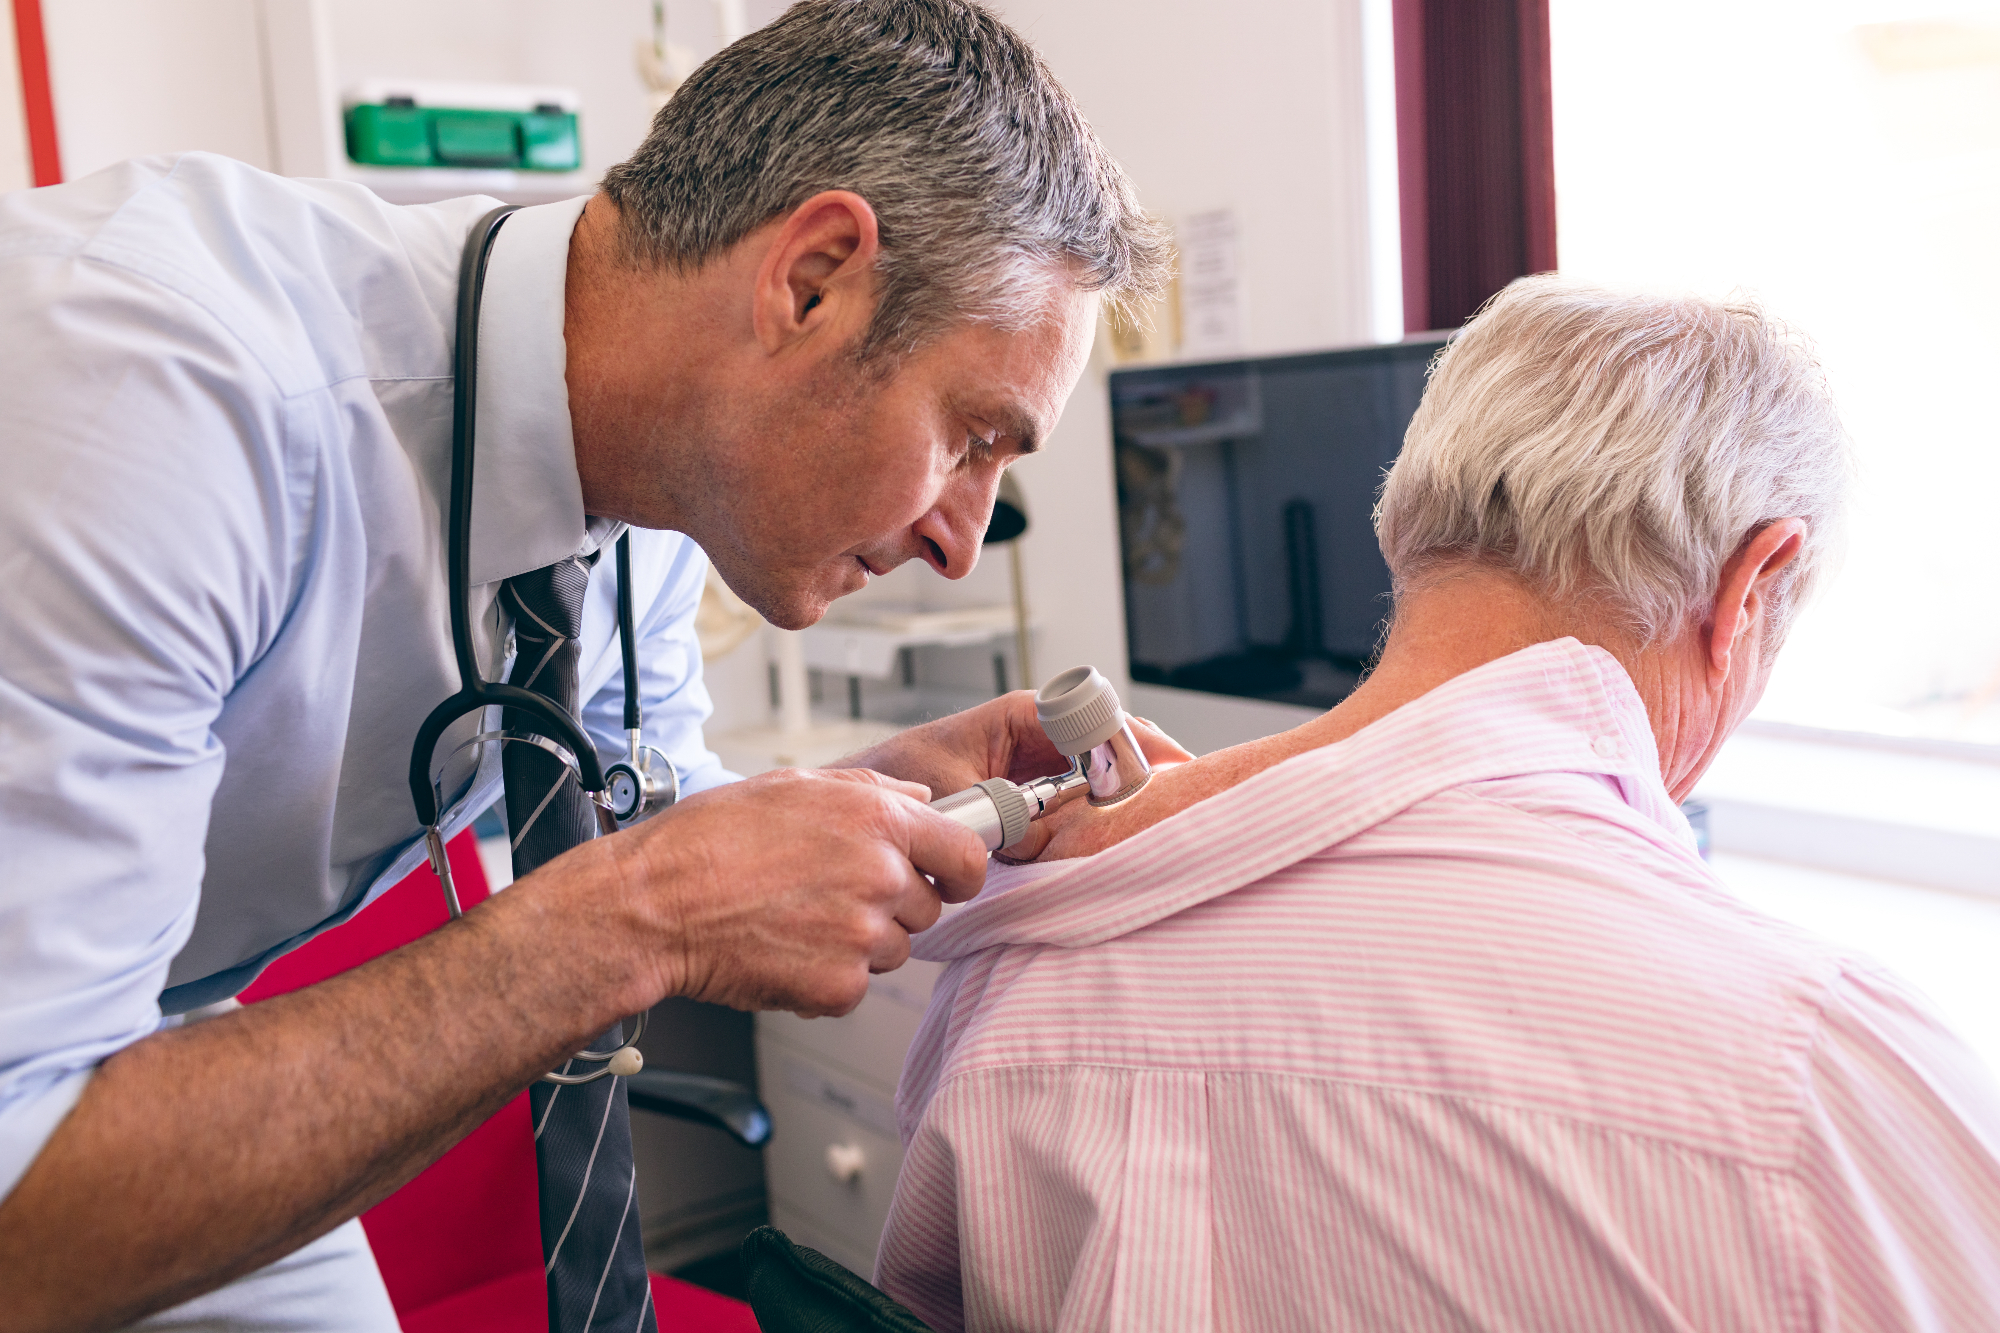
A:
(142, 574)
(918, 1261)
(1900, 1166)
(668, 573)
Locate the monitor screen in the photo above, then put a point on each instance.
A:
(1245, 490)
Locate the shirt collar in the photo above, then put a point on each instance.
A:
(527, 502)
(1558, 707)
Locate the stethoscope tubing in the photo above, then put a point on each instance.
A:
(475, 693)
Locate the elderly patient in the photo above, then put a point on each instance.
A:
(1427, 1015)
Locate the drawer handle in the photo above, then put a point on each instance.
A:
(844, 1162)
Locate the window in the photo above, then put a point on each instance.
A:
(1841, 161)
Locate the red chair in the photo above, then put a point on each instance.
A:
(459, 1247)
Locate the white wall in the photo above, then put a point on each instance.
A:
(1254, 107)
(131, 77)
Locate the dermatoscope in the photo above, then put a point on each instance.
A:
(1080, 714)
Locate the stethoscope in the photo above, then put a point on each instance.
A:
(641, 784)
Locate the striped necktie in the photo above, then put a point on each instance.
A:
(583, 1132)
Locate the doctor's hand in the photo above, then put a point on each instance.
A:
(1001, 738)
(786, 890)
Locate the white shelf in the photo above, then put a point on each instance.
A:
(757, 750)
(1859, 809)
(427, 185)
(865, 639)
(1238, 427)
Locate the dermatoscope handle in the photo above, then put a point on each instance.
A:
(995, 809)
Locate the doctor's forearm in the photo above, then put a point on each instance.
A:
(199, 1154)
(202, 1153)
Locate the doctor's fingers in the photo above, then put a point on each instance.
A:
(918, 907)
(916, 911)
(1158, 747)
(883, 900)
(896, 816)
(869, 778)
(892, 952)
(946, 851)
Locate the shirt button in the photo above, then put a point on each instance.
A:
(1606, 746)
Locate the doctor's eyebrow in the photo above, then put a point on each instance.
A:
(1018, 426)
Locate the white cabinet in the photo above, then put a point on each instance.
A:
(830, 1085)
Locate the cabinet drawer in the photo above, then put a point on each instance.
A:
(871, 1041)
(821, 1118)
(804, 1230)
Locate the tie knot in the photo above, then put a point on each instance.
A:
(548, 602)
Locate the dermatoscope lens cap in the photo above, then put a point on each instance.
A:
(1079, 710)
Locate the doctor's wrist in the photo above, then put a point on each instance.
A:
(584, 921)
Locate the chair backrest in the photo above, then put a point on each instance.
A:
(470, 1219)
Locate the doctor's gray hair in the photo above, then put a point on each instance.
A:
(1621, 446)
(985, 179)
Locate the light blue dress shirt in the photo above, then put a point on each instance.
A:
(225, 416)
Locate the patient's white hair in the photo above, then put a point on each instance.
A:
(1602, 443)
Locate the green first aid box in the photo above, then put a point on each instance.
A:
(399, 133)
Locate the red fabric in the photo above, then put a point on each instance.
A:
(469, 1220)
(1538, 137)
(1412, 154)
(1475, 152)
(38, 105)
(414, 907)
(460, 1247)
(516, 1305)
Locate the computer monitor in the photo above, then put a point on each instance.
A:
(1245, 490)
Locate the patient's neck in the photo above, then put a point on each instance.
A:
(1453, 622)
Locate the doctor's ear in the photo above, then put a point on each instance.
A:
(817, 278)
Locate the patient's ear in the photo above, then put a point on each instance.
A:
(1743, 595)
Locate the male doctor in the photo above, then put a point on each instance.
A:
(849, 277)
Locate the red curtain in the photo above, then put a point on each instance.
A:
(1476, 152)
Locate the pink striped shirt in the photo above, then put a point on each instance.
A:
(1442, 1027)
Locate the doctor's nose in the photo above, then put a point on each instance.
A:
(954, 528)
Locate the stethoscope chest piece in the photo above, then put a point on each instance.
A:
(640, 785)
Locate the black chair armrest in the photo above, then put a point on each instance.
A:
(794, 1289)
(706, 1101)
